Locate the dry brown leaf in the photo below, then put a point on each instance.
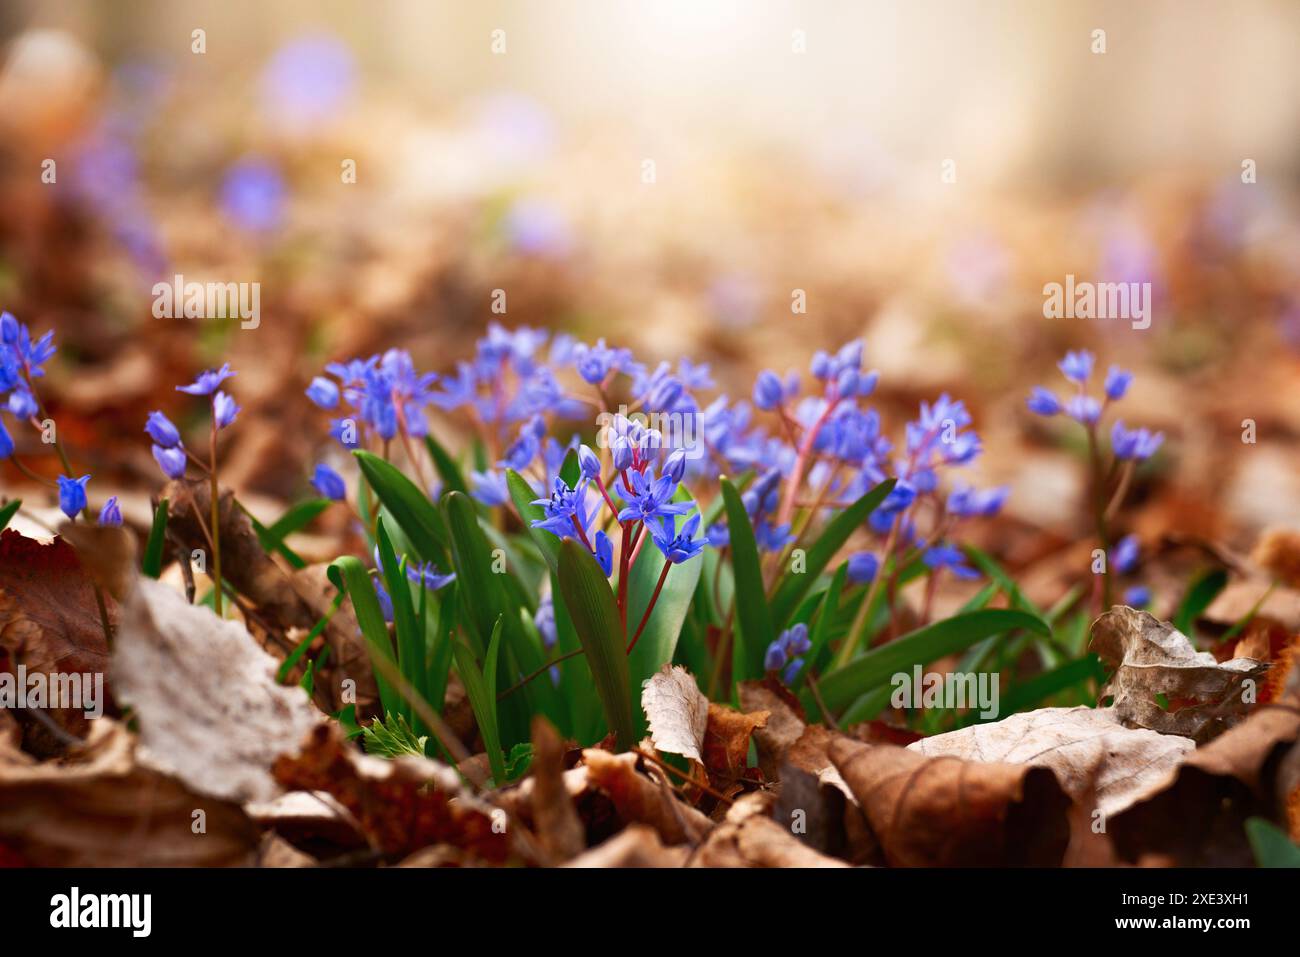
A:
(638, 799)
(946, 812)
(1197, 817)
(1151, 657)
(205, 695)
(786, 721)
(635, 846)
(49, 618)
(676, 711)
(1278, 553)
(1088, 750)
(275, 851)
(308, 818)
(555, 820)
(100, 807)
(747, 837)
(726, 744)
(402, 805)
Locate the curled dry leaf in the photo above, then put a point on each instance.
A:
(947, 812)
(1151, 657)
(1197, 816)
(677, 712)
(100, 807)
(635, 846)
(785, 723)
(726, 744)
(49, 618)
(205, 695)
(1088, 749)
(401, 805)
(638, 799)
(747, 837)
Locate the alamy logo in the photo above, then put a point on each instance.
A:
(179, 299)
(1098, 300)
(75, 909)
(62, 690)
(964, 689)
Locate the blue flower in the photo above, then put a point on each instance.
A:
(385, 602)
(965, 501)
(677, 548)
(1138, 596)
(863, 567)
(162, 430)
(252, 195)
(604, 553)
(1117, 382)
(623, 453)
(649, 497)
(22, 404)
(718, 535)
(544, 619)
(328, 483)
(208, 381)
(171, 461)
(427, 576)
(953, 559)
(768, 390)
(1137, 444)
(675, 466)
(1043, 402)
(224, 409)
(323, 392)
(1077, 366)
(72, 495)
(1124, 555)
(1084, 409)
(6, 441)
(565, 509)
(489, 487)
(792, 670)
(787, 650)
(588, 462)
(110, 514)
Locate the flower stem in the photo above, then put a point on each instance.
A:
(216, 517)
(659, 585)
(860, 619)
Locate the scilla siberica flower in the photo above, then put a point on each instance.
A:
(677, 548)
(111, 513)
(224, 410)
(163, 432)
(72, 495)
(328, 483)
(171, 461)
(785, 654)
(649, 497)
(208, 382)
(1134, 444)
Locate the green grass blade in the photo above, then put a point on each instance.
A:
(753, 616)
(409, 506)
(1199, 596)
(842, 687)
(453, 479)
(9, 511)
(591, 606)
(480, 688)
(410, 636)
(349, 575)
(820, 635)
(1271, 845)
(151, 566)
(793, 586)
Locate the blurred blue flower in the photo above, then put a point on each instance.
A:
(1117, 382)
(224, 410)
(1077, 366)
(162, 430)
(863, 567)
(328, 483)
(1124, 555)
(171, 461)
(111, 513)
(1043, 402)
(72, 495)
(208, 381)
(253, 195)
(307, 80)
(1137, 444)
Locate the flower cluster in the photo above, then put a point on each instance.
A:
(22, 359)
(1126, 444)
(786, 653)
(168, 449)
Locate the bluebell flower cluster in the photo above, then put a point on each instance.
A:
(1124, 556)
(1127, 444)
(22, 360)
(785, 654)
(383, 395)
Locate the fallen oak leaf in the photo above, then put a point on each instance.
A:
(726, 744)
(102, 807)
(1151, 657)
(946, 812)
(205, 695)
(637, 845)
(677, 712)
(1090, 751)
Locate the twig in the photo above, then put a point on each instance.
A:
(684, 776)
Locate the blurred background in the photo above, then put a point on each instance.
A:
(667, 175)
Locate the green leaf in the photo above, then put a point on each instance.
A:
(409, 506)
(1199, 596)
(349, 575)
(480, 687)
(842, 687)
(11, 509)
(286, 667)
(1030, 694)
(453, 479)
(523, 494)
(518, 760)
(591, 606)
(296, 518)
(151, 566)
(1271, 845)
(392, 738)
(753, 616)
(819, 554)
(990, 567)
(410, 636)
